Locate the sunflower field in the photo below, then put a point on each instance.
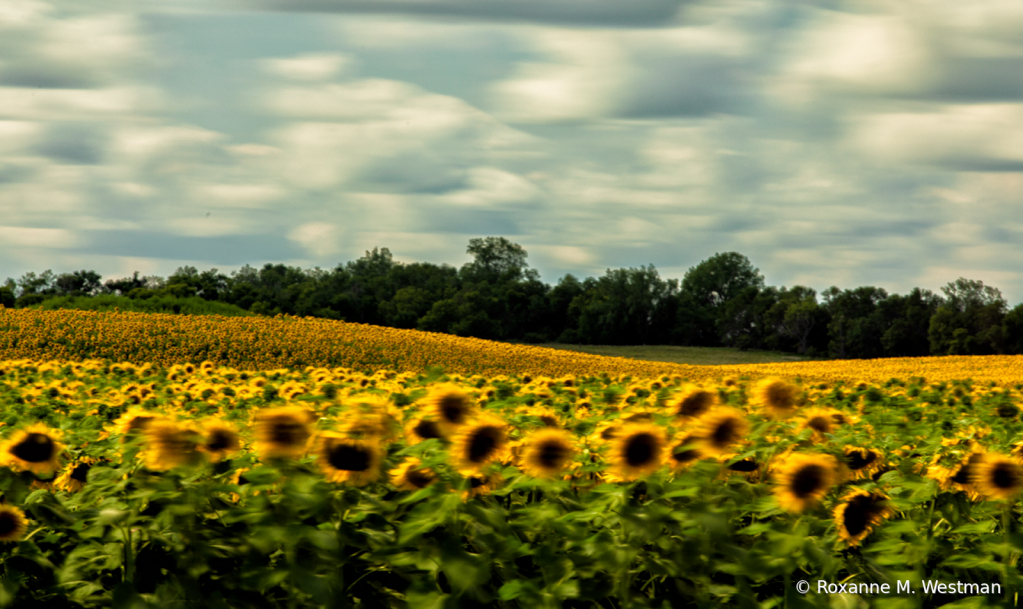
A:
(207, 485)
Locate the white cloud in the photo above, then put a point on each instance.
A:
(20, 236)
(315, 66)
(321, 239)
(581, 79)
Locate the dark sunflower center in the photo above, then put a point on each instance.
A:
(419, 478)
(35, 448)
(551, 454)
(746, 465)
(1004, 477)
(856, 517)
(427, 430)
(452, 408)
(858, 459)
(640, 449)
(348, 458)
(139, 422)
(476, 482)
(81, 472)
(725, 433)
(1007, 411)
(695, 405)
(838, 418)
(607, 434)
(685, 456)
(287, 433)
(807, 481)
(548, 420)
(820, 425)
(8, 524)
(482, 443)
(778, 397)
(963, 475)
(218, 440)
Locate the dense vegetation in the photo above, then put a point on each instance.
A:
(722, 301)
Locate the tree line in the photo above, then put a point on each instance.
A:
(722, 301)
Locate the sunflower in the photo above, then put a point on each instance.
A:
(451, 406)
(858, 514)
(479, 443)
(821, 421)
(960, 475)
(719, 429)
(344, 459)
(997, 476)
(778, 398)
(283, 432)
(409, 476)
(693, 402)
(683, 452)
(13, 523)
(547, 452)
(637, 449)
(861, 462)
(74, 477)
(133, 422)
(170, 444)
(480, 484)
(36, 449)
(220, 440)
(803, 479)
(420, 429)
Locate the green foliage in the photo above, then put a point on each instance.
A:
(154, 304)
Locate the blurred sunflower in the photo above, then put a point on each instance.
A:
(692, 402)
(283, 432)
(133, 422)
(479, 443)
(778, 398)
(638, 449)
(803, 479)
(420, 429)
(409, 476)
(35, 448)
(748, 467)
(861, 462)
(74, 477)
(960, 475)
(451, 406)
(13, 524)
(821, 421)
(858, 514)
(719, 429)
(344, 459)
(170, 444)
(683, 452)
(479, 484)
(546, 452)
(220, 440)
(997, 476)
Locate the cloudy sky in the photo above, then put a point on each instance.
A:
(833, 143)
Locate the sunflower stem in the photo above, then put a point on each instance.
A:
(129, 555)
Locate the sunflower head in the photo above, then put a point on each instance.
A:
(283, 432)
(35, 448)
(803, 480)
(480, 484)
(344, 459)
(720, 429)
(220, 440)
(411, 476)
(693, 402)
(74, 477)
(133, 422)
(547, 452)
(479, 443)
(858, 514)
(451, 406)
(13, 523)
(776, 397)
(420, 429)
(997, 476)
(170, 444)
(638, 449)
(683, 452)
(861, 462)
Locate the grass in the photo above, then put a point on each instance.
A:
(698, 356)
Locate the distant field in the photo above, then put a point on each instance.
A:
(696, 356)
